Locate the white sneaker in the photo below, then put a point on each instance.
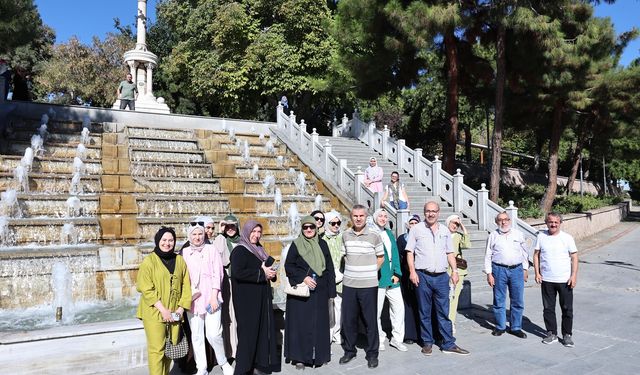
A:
(398, 345)
(381, 347)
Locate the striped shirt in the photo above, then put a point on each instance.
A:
(360, 260)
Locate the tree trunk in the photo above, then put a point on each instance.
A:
(575, 160)
(554, 145)
(467, 143)
(451, 137)
(496, 150)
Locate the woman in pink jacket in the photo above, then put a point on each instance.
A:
(205, 271)
(373, 176)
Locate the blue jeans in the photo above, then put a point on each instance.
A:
(402, 205)
(511, 279)
(434, 291)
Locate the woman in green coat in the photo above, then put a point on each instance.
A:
(163, 281)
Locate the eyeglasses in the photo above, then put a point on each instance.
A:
(307, 227)
(504, 219)
(431, 211)
(335, 223)
(196, 223)
(318, 218)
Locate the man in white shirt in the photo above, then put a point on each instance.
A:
(506, 263)
(555, 261)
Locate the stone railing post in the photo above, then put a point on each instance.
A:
(334, 129)
(344, 124)
(402, 216)
(512, 211)
(356, 124)
(417, 155)
(436, 168)
(400, 152)
(314, 140)
(342, 165)
(327, 152)
(458, 181)
(358, 186)
(279, 111)
(303, 130)
(483, 198)
(371, 134)
(292, 123)
(385, 143)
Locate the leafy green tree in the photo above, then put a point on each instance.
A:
(24, 40)
(78, 74)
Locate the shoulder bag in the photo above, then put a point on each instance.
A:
(461, 263)
(179, 350)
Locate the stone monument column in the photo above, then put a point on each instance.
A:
(141, 63)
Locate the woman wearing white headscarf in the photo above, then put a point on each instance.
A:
(373, 176)
(461, 240)
(389, 284)
(333, 237)
(205, 271)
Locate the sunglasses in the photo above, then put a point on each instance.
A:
(318, 218)
(335, 223)
(307, 227)
(229, 226)
(196, 223)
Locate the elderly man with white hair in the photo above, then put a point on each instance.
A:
(506, 262)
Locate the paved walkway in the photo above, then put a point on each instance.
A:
(606, 325)
(606, 331)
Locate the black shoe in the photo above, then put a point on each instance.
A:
(497, 332)
(519, 333)
(346, 358)
(372, 362)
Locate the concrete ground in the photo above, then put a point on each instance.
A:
(606, 330)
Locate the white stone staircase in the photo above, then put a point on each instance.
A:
(357, 154)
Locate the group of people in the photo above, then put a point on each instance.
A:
(223, 282)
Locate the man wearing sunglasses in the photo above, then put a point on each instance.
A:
(363, 256)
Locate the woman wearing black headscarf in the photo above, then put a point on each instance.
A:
(252, 302)
(163, 281)
(306, 335)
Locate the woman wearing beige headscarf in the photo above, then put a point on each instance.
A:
(306, 334)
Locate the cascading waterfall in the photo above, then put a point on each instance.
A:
(277, 200)
(254, 172)
(73, 207)
(4, 230)
(245, 153)
(42, 131)
(292, 174)
(62, 292)
(293, 219)
(37, 144)
(69, 235)
(81, 151)
(76, 186)
(301, 183)
(317, 204)
(269, 184)
(232, 134)
(280, 161)
(79, 166)
(21, 176)
(271, 150)
(85, 138)
(9, 204)
(27, 159)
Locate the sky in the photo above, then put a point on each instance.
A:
(85, 19)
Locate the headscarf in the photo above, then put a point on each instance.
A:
(168, 258)
(231, 241)
(376, 214)
(329, 216)
(190, 230)
(451, 218)
(309, 248)
(255, 249)
(205, 219)
(415, 217)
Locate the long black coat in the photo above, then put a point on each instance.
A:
(252, 301)
(307, 318)
(411, 317)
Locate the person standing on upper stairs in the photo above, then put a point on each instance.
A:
(506, 262)
(373, 176)
(395, 194)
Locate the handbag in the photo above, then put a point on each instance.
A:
(299, 290)
(175, 351)
(461, 263)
